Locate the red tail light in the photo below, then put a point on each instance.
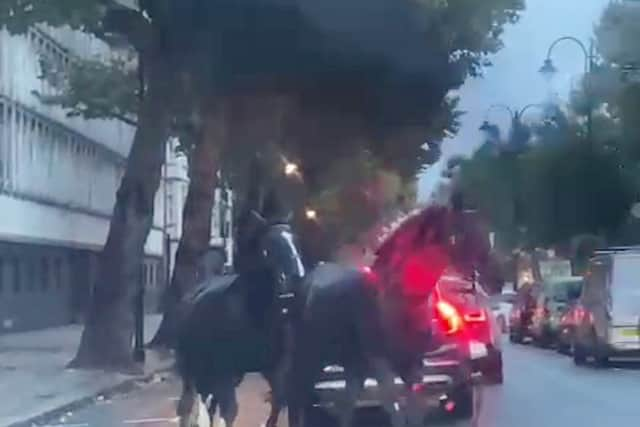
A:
(476, 317)
(581, 315)
(449, 317)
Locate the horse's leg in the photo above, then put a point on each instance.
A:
(386, 386)
(227, 400)
(414, 413)
(212, 406)
(478, 394)
(354, 383)
(278, 383)
(276, 400)
(187, 409)
(299, 384)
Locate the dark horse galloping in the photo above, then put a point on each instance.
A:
(375, 323)
(238, 324)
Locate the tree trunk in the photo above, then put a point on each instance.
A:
(196, 228)
(107, 337)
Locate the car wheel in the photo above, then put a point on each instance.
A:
(579, 354)
(463, 399)
(563, 348)
(544, 341)
(515, 337)
(602, 361)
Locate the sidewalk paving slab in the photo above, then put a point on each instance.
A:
(34, 381)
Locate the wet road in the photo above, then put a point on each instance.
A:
(541, 388)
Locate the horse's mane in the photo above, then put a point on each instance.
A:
(414, 229)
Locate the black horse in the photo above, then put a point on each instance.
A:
(365, 322)
(239, 324)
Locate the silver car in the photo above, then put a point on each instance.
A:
(608, 313)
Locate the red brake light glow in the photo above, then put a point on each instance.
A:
(449, 316)
(582, 315)
(476, 317)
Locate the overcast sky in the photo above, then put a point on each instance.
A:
(514, 79)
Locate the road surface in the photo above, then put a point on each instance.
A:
(541, 388)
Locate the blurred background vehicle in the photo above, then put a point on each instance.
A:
(608, 315)
(566, 326)
(551, 305)
(522, 312)
(501, 305)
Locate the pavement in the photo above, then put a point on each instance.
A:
(542, 388)
(35, 383)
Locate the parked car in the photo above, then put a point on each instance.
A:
(607, 318)
(522, 312)
(565, 337)
(501, 305)
(447, 369)
(551, 305)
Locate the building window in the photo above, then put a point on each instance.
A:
(143, 272)
(152, 275)
(44, 272)
(159, 273)
(31, 284)
(17, 277)
(57, 273)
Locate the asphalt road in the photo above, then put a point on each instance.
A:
(541, 388)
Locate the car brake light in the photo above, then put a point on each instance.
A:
(583, 315)
(476, 317)
(449, 316)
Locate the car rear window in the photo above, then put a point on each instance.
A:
(563, 291)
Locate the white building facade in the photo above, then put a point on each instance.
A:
(58, 179)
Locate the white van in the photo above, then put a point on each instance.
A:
(608, 313)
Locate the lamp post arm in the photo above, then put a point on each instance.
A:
(587, 54)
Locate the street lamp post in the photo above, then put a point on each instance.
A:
(515, 115)
(516, 118)
(549, 69)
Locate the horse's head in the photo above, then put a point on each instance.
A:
(272, 249)
(281, 257)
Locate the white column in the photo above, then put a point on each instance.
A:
(4, 159)
(18, 142)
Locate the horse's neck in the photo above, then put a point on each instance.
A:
(258, 290)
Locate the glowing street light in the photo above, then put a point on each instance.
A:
(291, 169)
(311, 214)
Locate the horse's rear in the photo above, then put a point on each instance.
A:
(213, 316)
(337, 324)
